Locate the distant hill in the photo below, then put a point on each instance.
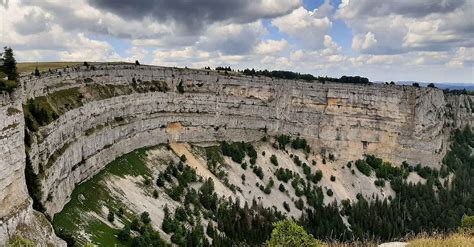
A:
(442, 85)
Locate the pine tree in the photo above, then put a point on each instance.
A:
(9, 64)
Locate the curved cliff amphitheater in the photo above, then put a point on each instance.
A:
(65, 126)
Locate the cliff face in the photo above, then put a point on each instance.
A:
(17, 217)
(119, 108)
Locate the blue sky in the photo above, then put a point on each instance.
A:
(419, 40)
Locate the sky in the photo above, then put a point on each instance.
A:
(402, 40)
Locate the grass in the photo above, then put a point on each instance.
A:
(29, 67)
(44, 66)
(453, 240)
(8, 85)
(73, 218)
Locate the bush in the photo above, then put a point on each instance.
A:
(331, 157)
(379, 183)
(283, 140)
(363, 167)
(299, 204)
(258, 171)
(244, 166)
(333, 178)
(288, 233)
(155, 194)
(282, 188)
(297, 160)
(318, 175)
(286, 206)
(467, 225)
(182, 158)
(124, 234)
(111, 216)
(145, 218)
(329, 192)
(284, 174)
(180, 87)
(273, 160)
(306, 169)
(300, 143)
(8, 86)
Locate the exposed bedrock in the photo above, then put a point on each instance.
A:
(17, 217)
(398, 123)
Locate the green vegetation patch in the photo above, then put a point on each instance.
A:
(91, 195)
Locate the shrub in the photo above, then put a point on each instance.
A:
(145, 218)
(333, 178)
(379, 183)
(282, 188)
(288, 233)
(124, 234)
(283, 140)
(182, 158)
(244, 166)
(306, 169)
(300, 143)
(373, 161)
(284, 174)
(155, 194)
(286, 206)
(331, 157)
(297, 160)
(111, 216)
(349, 164)
(363, 167)
(299, 204)
(180, 87)
(329, 192)
(318, 175)
(274, 160)
(258, 171)
(467, 225)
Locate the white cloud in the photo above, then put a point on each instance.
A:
(404, 26)
(363, 42)
(271, 46)
(306, 25)
(463, 55)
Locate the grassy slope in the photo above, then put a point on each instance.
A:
(43, 66)
(440, 241)
(96, 195)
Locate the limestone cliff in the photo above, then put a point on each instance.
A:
(109, 110)
(17, 217)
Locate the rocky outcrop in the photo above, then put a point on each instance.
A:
(17, 217)
(125, 107)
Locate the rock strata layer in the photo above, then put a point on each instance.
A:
(139, 106)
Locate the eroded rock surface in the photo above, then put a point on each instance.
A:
(125, 107)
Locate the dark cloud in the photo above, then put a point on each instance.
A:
(232, 40)
(192, 15)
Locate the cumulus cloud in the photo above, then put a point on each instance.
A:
(404, 26)
(232, 39)
(419, 39)
(363, 42)
(271, 46)
(462, 56)
(309, 26)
